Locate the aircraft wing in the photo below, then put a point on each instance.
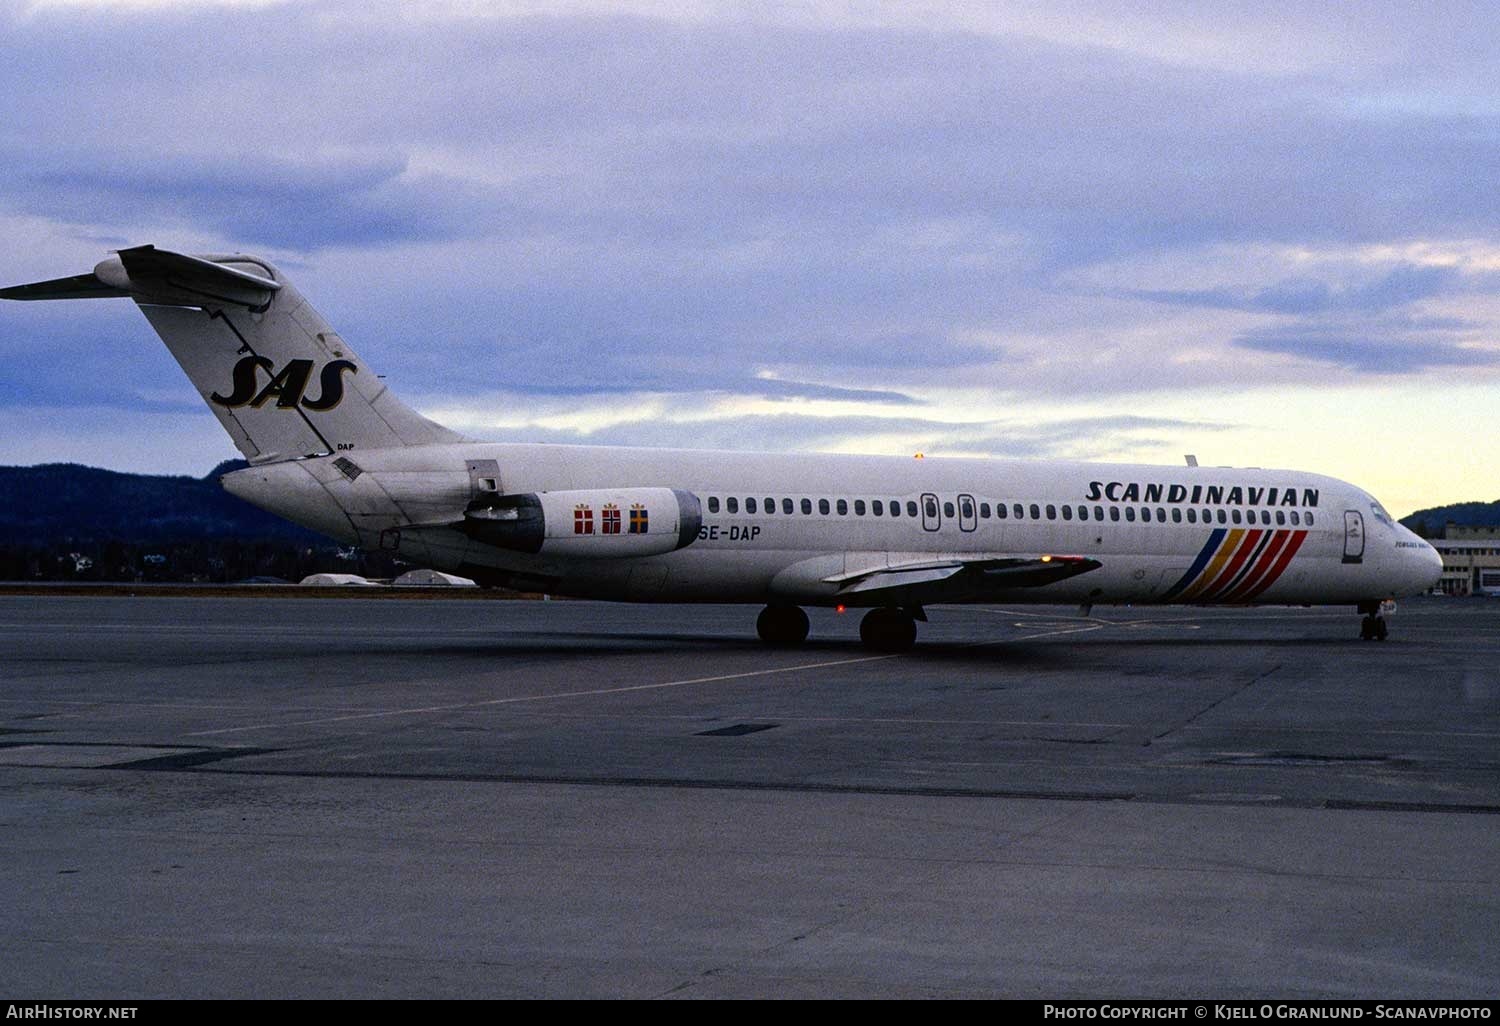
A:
(950, 579)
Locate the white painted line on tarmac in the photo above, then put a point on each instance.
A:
(599, 692)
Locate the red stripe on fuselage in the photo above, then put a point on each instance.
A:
(1263, 564)
(1298, 537)
(1252, 538)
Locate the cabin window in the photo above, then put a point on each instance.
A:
(966, 504)
(1051, 512)
(1296, 520)
(948, 510)
(843, 507)
(786, 505)
(877, 507)
(807, 507)
(1036, 512)
(1000, 511)
(1099, 513)
(1130, 513)
(895, 508)
(1018, 511)
(859, 507)
(984, 510)
(911, 507)
(1161, 515)
(770, 504)
(1265, 517)
(732, 504)
(1176, 516)
(823, 507)
(749, 505)
(1192, 516)
(1309, 518)
(1114, 513)
(1067, 512)
(713, 504)
(1280, 518)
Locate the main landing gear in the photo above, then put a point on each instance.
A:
(888, 630)
(884, 630)
(1372, 627)
(782, 625)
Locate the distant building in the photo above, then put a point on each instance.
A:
(1471, 532)
(1471, 559)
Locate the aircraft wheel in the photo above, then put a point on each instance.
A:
(782, 625)
(1380, 629)
(888, 630)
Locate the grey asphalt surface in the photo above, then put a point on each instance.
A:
(210, 797)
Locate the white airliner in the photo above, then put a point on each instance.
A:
(332, 449)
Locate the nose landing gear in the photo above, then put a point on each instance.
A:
(1372, 627)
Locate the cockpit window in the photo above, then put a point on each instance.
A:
(1380, 513)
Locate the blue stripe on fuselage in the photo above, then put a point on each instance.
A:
(1199, 563)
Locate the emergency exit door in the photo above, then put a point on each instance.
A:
(932, 515)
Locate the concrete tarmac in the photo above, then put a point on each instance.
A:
(252, 797)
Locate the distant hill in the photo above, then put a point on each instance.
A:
(1429, 523)
(64, 522)
(64, 501)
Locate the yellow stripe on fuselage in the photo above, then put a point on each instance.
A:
(1211, 572)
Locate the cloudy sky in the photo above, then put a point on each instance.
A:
(1267, 234)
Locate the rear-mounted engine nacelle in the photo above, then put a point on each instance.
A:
(599, 523)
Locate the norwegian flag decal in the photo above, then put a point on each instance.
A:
(609, 519)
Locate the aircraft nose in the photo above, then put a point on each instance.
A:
(1432, 568)
(1423, 568)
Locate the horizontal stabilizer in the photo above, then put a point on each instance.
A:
(79, 286)
(159, 276)
(147, 264)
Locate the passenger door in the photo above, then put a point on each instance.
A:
(1354, 536)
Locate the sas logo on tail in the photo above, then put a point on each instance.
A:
(287, 386)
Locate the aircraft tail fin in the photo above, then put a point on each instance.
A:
(280, 380)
